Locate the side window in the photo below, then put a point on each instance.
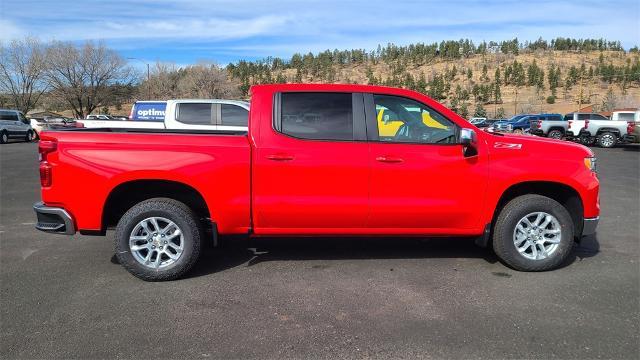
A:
(583, 116)
(8, 116)
(194, 113)
(555, 117)
(234, 115)
(598, 117)
(411, 121)
(317, 116)
(568, 117)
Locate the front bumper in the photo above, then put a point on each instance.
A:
(53, 219)
(589, 226)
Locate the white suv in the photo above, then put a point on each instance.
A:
(14, 125)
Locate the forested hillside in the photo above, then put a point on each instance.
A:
(498, 78)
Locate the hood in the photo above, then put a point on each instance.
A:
(541, 145)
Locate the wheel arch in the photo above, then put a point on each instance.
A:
(609, 130)
(125, 195)
(564, 194)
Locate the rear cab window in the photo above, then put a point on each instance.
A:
(315, 116)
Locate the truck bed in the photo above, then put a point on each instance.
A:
(90, 164)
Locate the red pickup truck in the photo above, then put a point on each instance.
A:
(315, 161)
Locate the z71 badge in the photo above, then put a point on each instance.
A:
(503, 145)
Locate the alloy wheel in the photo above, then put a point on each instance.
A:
(537, 235)
(156, 242)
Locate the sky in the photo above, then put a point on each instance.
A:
(224, 31)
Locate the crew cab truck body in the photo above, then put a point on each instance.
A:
(187, 114)
(577, 124)
(313, 162)
(609, 132)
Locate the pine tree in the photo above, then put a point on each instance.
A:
(480, 111)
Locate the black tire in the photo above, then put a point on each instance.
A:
(29, 137)
(170, 209)
(512, 213)
(555, 134)
(607, 140)
(4, 137)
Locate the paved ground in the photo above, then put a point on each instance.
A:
(66, 297)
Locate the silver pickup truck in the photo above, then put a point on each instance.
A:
(549, 125)
(605, 132)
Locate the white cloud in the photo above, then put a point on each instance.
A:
(9, 31)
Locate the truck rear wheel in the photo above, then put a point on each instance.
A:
(555, 134)
(158, 239)
(607, 140)
(533, 233)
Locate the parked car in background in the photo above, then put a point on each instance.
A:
(314, 162)
(14, 125)
(603, 131)
(575, 125)
(486, 123)
(475, 120)
(633, 132)
(548, 125)
(148, 111)
(518, 124)
(503, 125)
(49, 122)
(187, 114)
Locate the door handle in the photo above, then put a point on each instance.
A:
(389, 159)
(280, 157)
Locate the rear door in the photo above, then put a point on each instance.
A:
(420, 181)
(311, 171)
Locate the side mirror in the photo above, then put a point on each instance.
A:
(469, 141)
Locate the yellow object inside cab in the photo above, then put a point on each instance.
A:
(388, 126)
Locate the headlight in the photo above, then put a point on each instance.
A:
(591, 164)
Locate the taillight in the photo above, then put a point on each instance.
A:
(586, 124)
(45, 147)
(539, 124)
(630, 125)
(78, 124)
(569, 125)
(46, 176)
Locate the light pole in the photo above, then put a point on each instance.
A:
(148, 76)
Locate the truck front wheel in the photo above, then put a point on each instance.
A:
(533, 233)
(158, 239)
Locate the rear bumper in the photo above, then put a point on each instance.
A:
(589, 226)
(53, 219)
(631, 138)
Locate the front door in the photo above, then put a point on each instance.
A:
(311, 170)
(421, 182)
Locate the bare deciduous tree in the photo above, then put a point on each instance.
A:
(22, 70)
(206, 80)
(84, 76)
(163, 82)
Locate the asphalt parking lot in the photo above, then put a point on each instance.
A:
(64, 297)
